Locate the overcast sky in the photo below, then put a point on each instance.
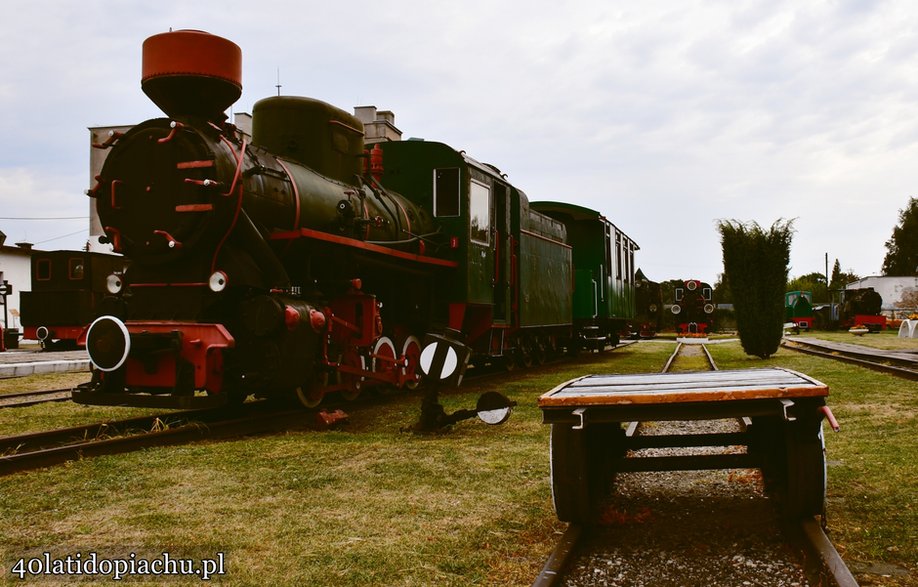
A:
(664, 115)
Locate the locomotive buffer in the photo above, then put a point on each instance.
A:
(783, 410)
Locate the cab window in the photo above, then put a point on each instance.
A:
(480, 213)
(43, 270)
(75, 269)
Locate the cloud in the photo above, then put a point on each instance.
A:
(665, 116)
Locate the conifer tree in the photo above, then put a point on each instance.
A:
(755, 264)
(902, 248)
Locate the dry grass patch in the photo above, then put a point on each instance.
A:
(42, 382)
(368, 505)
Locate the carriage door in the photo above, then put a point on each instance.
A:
(502, 251)
(481, 244)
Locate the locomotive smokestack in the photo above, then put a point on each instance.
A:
(190, 72)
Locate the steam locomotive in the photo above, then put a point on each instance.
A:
(296, 262)
(693, 308)
(861, 306)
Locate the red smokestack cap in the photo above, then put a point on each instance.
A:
(190, 72)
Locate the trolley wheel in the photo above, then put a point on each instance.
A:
(582, 469)
(606, 448)
(806, 470)
(570, 486)
(768, 442)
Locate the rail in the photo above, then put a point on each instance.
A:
(42, 449)
(907, 370)
(31, 398)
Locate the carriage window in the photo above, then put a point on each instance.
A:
(630, 263)
(446, 192)
(43, 270)
(75, 269)
(480, 213)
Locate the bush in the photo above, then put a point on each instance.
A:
(755, 265)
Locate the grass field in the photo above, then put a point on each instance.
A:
(373, 504)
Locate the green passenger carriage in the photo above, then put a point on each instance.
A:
(604, 304)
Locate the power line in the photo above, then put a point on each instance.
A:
(60, 237)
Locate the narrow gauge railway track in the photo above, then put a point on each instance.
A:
(42, 449)
(31, 398)
(822, 563)
(878, 360)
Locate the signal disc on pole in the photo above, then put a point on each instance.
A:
(449, 360)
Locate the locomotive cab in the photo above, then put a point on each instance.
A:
(511, 291)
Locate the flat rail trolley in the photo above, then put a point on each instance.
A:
(782, 411)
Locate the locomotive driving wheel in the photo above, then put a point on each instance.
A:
(351, 383)
(383, 359)
(411, 350)
(310, 395)
(525, 352)
(539, 351)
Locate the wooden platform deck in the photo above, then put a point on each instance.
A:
(680, 388)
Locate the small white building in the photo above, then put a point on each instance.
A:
(892, 290)
(16, 270)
